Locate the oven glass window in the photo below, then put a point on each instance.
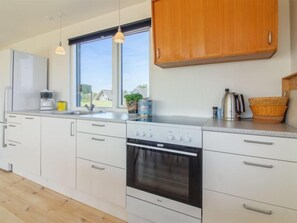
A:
(164, 173)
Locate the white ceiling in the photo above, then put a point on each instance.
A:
(21, 19)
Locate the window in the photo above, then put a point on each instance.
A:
(105, 72)
(135, 67)
(94, 73)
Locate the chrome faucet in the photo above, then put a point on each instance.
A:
(91, 106)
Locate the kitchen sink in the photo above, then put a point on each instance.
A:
(76, 112)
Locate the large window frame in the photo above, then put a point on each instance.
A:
(117, 68)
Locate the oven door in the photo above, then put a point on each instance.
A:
(167, 170)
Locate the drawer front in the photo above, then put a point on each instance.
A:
(155, 213)
(102, 128)
(220, 208)
(102, 149)
(264, 180)
(12, 118)
(260, 146)
(14, 132)
(102, 181)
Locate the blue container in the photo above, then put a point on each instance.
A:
(145, 108)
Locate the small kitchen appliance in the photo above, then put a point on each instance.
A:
(232, 106)
(47, 102)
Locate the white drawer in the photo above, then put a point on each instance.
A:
(12, 118)
(155, 213)
(220, 208)
(102, 128)
(14, 132)
(260, 146)
(264, 180)
(103, 149)
(102, 181)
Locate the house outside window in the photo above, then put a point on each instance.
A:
(105, 72)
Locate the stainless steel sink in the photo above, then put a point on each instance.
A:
(76, 112)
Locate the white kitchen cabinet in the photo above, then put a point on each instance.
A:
(102, 128)
(248, 178)
(30, 139)
(102, 181)
(101, 160)
(14, 132)
(103, 149)
(251, 145)
(221, 208)
(13, 150)
(264, 180)
(58, 150)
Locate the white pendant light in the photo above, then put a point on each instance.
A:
(119, 36)
(60, 49)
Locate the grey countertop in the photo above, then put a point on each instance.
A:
(216, 125)
(119, 117)
(250, 127)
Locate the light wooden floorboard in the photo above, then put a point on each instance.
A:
(23, 201)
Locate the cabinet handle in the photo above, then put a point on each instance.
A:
(96, 139)
(12, 116)
(13, 126)
(269, 38)
(257, 210)
(97, 167)
(98, 125)
(4, 145)
(258, 165)
(72, 129)
(12, 144)
(259, 142)
(158, 53)
(29, 118)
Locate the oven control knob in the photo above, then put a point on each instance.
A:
(170, 137)
(187, 139)
(149, 135)
(136, 133)
(142, 134)
(178, 138)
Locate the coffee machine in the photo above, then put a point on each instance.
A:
(47, 102)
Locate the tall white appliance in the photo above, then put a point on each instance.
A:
(22, 77)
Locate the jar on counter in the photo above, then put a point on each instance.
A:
(215, 112)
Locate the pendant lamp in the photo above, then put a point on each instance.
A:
(119, 36)
(60, 49)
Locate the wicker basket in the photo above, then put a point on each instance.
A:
(269, 120)
(269, 110)
(268, 101)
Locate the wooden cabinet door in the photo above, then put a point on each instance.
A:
(58, 150)
(268, 25)
(205, 29)
(169, 21)
(248, 24)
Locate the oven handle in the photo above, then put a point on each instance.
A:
(162, 149)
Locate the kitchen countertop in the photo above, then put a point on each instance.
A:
(215, 125)
(251, 128)
(118, 117)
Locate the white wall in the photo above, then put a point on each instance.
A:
(293, 14)
(190, 91)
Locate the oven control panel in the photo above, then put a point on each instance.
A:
(185, 135)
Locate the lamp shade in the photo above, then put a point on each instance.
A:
(60, 50)
(119, 36)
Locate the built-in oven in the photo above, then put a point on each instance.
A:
(167, 170)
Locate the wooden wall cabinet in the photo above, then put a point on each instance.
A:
(188, 32)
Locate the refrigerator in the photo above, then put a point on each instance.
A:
(22, 77)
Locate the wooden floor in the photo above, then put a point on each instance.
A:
(22, 201)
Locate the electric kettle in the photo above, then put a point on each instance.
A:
(232, 105)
